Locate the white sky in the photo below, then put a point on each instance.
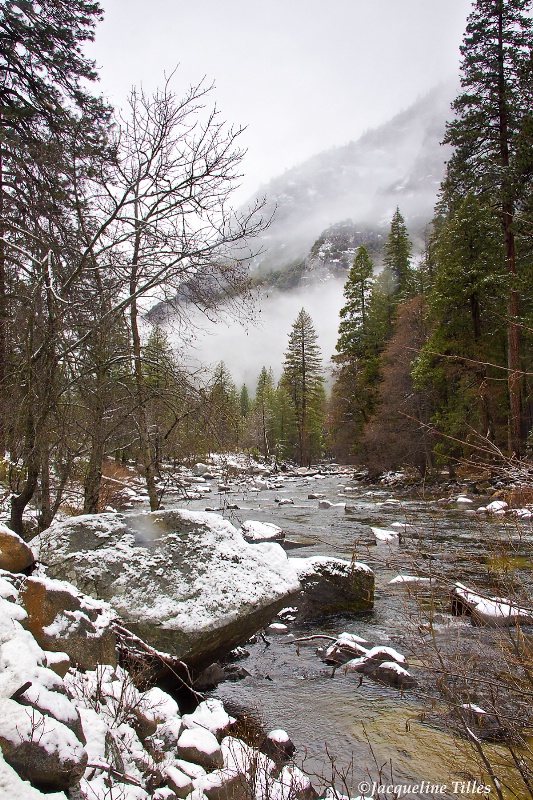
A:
(302, 75)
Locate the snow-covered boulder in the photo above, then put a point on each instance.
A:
(493, 611)
(62, 619)
(331, 586)
(42, 750)
(185, 582)
(254, 531)
(201, 747)
(15, 555)
(211, 716)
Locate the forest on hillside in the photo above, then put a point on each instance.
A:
(103, 214)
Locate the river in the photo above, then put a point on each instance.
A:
(368, 726)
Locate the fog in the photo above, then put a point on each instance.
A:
(262, 341)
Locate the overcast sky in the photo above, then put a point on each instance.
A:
(302, 75)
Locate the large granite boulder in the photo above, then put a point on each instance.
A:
(15, 555)
(62, 619)
(187, 583)
(332, 586)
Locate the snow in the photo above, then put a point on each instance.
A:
(384, 535)
(381, 650)
(161, 705)
(200, 739)
(462, 500)
(408, 580)
(279, 735)
(394, 667)
(19, 723)
(492, 610)
(349, 640)
(211, 715)
(307, 567)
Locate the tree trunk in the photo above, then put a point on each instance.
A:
(145, 447)
(93, 475)
(3, 317)
(507, 209)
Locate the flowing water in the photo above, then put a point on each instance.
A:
(290, 687)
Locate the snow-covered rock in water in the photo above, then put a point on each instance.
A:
(392, 674)
(463, 500)
(15, 555)
(331, 586)
(345, 648)
(385, 535)
(254, 531)
(199, 470)
(409, 580)
(201, 747)
(494, 611)
(497, 506)
(278, 745)
(524, 513)
(62, 619)
(186, 582)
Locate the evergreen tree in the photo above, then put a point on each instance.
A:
(493, 154)
(245, 402)
(397, 258)
(224, 408)
(354, 313)
(263, 411)
(302, 378)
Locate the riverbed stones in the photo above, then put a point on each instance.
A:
(185, 582)
(15, 555)
(332, 586)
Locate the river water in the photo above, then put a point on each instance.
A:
(369, 726)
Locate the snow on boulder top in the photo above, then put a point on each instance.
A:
(307, 567)
(407, 580)
(210, 715)
(279, 735)
(463, 499)
(184, 581)
(254, 531)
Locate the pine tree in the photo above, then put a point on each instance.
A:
(263, 411)
(245, 402)
(302, 377)
(397, 258)
(354, 313)
(492, 146)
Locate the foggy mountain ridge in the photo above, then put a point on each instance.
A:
(326, 207)
(401, 163)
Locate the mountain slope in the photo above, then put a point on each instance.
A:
(400, 163)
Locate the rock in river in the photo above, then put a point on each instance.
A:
(332, 586)
(185, 582)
